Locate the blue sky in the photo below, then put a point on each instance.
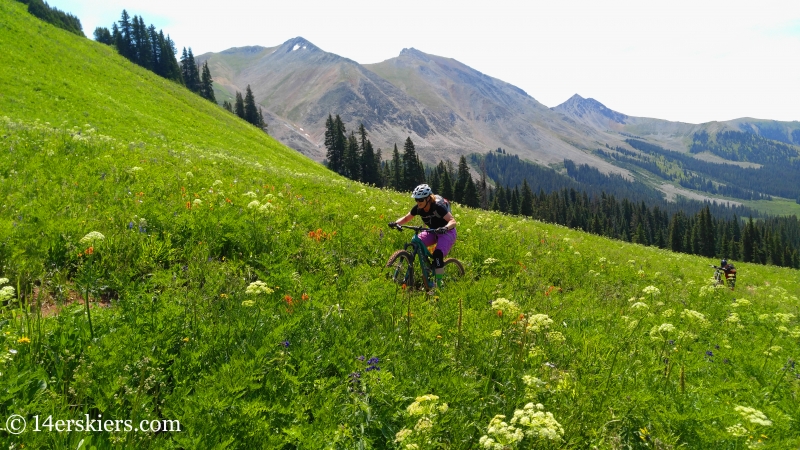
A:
(691, 61)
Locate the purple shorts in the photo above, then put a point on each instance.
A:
(444, 242)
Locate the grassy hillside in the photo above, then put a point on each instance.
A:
(166, 210)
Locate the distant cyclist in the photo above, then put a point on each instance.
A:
(729, 271)
(434, 216)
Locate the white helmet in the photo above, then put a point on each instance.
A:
(421, 191)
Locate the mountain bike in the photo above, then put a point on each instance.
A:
(402, 263)
(730, 277)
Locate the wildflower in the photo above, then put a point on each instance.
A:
(639, 305)
(186, 339)
(640, 273)
(304, 297)
(6, 293)
(250, 194)
(602, 260)
(555, 337)
(500, 435)
(265, 208)
(189, 175)
(258, 287)
(249, 303)
(285, 343)
(694, 316)
(402, 435)
(223, 295)
(217, 182)
(651, 290)
(3, 281)
(772, 350)
(753, 416)
(92, 237)
(355, 217)
(784, 317)
(503, 304)
(490, 261)
(197, 202)
(657, 332)
(540, 424)
(737, 430)
(538, 322)
(497, 333)
(24, 340)
(253, 204)
(668, 312)
(733, 318)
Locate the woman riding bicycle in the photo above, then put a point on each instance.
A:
(434, 216)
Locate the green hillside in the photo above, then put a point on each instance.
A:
(238, 292)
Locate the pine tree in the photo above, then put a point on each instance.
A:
(207, 85)
(471, 198)
(461, 180)
(227, 105)
(250, 108)
(368, 167)
(352, 158)
(446, 186)
(397, 170)
(124, 44)
(334, 159)
(411, 176)
(526, 202)
(238, 106)
(103, 36)
(340, 143)
(189, 71)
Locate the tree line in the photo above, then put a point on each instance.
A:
(246, 108)
(575, 200)
(54, 16)
(151, 49)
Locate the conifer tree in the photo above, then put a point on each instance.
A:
(103, 36)
(471, 198)
(397, 170)
(411, 173)
(447, 186)
(250, 108)
(526, 202)
(461, 181)
(333, 157)
(340, 142)
(370, 170)
(238, 106)
(189, 71)
(124, 44)
(227, 105)
(352, 158)
(207, 85)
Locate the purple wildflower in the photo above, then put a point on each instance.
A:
(372, 361)
(285, 343)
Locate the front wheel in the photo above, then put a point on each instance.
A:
(401, 266)
(453, 271)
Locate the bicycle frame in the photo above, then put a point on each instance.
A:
(404, 273)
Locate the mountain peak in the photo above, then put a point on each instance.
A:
(299, 43)
(579, 107)
(414, 53)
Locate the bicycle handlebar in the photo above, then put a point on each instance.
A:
(417, 229)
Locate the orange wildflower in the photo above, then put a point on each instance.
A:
(499, 313)
(90, 251)
(304, 296)
(188, 205)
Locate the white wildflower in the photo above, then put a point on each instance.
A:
(651, 290)
(753, 415)
(92, 237)
(254, 204)
(538, 322)
(258, 287)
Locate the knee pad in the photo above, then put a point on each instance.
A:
(438, 259)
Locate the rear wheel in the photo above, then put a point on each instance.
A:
(453, 271)
(401, 268)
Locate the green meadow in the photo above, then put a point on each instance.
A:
(238, 297)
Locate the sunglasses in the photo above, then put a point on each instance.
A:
(421, 200)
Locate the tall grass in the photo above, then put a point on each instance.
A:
(623, 345)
